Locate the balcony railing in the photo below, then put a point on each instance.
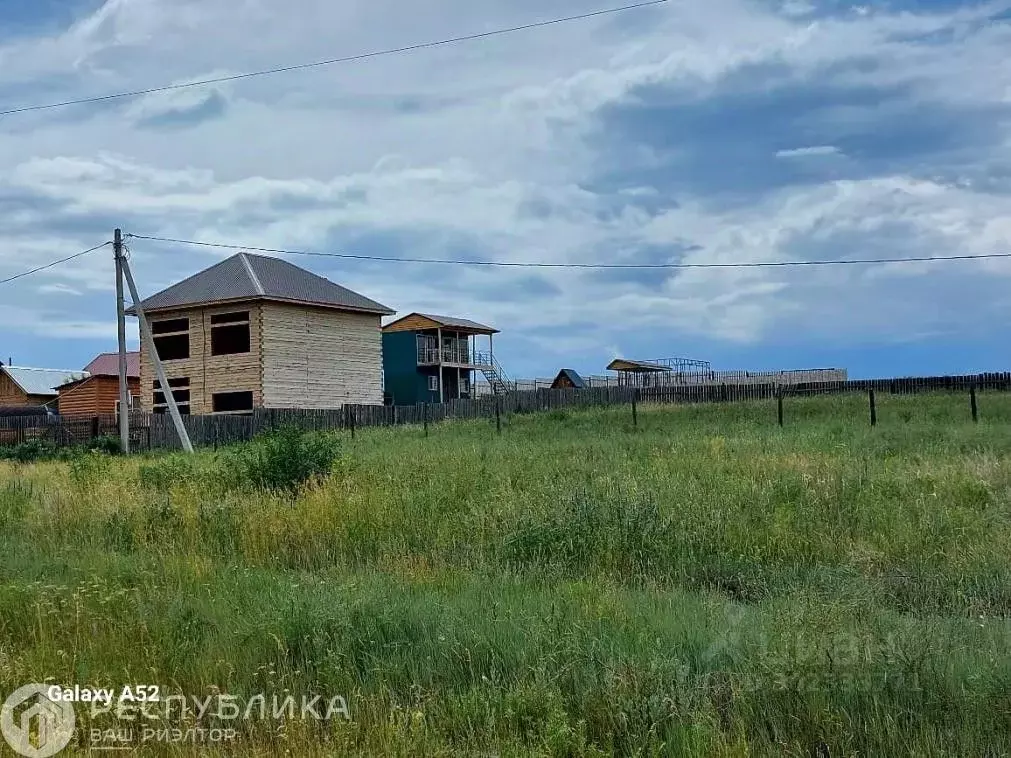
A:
(429, 354)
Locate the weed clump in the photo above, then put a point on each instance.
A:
(41, 450)
(287, 459)
(106, 444)
(284, 460)
(29, 452)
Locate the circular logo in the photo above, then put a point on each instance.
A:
(35, 726)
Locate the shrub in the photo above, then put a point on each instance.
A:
(29, 452)
(105, 444)
(282, 460)
(36, 450)
(286, 459)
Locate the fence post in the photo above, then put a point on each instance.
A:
(635, 415)
(95, 430)
(424, 416)
(498, 414)
(972, 404)
(779, 405)
(874, 410)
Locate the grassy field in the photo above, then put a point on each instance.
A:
(703, 584)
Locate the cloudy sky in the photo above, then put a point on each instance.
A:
(695, 132)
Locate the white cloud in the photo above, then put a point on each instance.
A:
(798, 8)
(58, 289)
(809, 152)
(178, 102)
(52, 326)
(487, 149)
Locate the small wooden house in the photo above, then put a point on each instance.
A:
(258, 332)
(22, 386)
(568, 379)
(431, 359)
(97, 393)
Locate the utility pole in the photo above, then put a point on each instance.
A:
(163, 383)
(124, 387)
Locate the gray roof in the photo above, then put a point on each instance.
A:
(41, 381)
(572, 376)
(257, 277)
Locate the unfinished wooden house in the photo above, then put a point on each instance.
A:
(258, 332)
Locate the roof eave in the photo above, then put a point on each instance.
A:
(71, 384)
(485, 330)
(635, 366)
(468, 330)
(381, 311)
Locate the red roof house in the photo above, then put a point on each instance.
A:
(97, 394)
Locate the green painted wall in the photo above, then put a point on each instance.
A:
(406, 382)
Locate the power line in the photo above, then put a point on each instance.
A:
(333, 61)
(54, 263)
(518, 264)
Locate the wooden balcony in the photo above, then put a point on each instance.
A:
(459, 355)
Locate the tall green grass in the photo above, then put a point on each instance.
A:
(703, 583)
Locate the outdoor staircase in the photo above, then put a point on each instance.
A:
(497, 378)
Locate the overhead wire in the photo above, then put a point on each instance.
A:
(517, 264)
(545, 264)
(54, 263)
(333, 61)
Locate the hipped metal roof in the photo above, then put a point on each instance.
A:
(257, 277)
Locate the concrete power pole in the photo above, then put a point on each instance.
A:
(152, 350)
(124, 386)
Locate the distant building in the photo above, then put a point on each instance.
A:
(659, 372)
(97, 393)
(22, 386)
(681, 372)
(568, 379)
(431, 359)
(258, 332)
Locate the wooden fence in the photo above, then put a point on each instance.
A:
(685, 378)
(220, 430)
(156, 431)
(67, 431)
